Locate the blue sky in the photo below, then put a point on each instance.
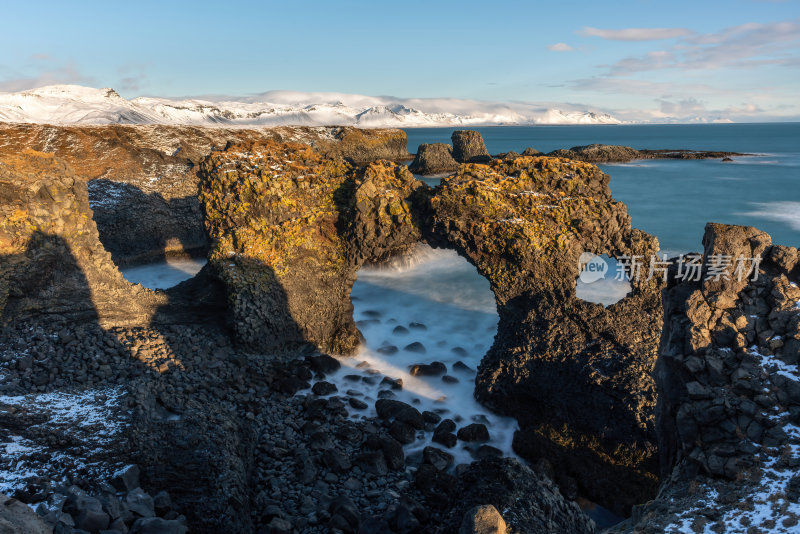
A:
(637, 59)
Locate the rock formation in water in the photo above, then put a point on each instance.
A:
(290, 228)
(433, 158)
(576, 375)
(142, 182)
(598, 153)
(728, 416)
(468, 147)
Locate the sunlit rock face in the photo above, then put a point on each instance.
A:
(575, 374)
(143, 182)
(289, 228)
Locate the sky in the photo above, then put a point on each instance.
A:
(638, 60)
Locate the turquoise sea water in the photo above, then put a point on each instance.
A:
(674, 199)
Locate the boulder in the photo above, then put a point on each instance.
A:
(483, 519)
(529, 501)
(18, 518)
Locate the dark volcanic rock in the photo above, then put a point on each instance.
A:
(728, 382)
(524, 224)
(598, 153)
(473, 432)
(433, 158)
(468, 147)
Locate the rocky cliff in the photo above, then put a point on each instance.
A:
(576, 375)
(728, 416)
(289, 228)
(142, 182)
(53, 263)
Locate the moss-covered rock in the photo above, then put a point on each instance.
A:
(289, 228)
(433, 158)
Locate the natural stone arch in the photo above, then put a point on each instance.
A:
(524, 223)
(290, 227)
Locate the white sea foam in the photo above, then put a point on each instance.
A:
(443, 292)
(784, 211)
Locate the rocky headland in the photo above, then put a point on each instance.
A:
(671, 406)
(432, 159)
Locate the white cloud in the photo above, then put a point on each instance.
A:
(636, 34)
(43, 75)
(560, 47)
(744, 46)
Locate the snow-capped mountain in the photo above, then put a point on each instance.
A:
(73, 104)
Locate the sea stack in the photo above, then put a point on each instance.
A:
(433, 158)
(468, 147)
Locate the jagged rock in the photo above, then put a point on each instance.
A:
(287, 249)
(433, 158)
(524, 224)
(143, 185)
(726, 397)
(468, 147)
(53, 261)
(483, 519)
(54, 264)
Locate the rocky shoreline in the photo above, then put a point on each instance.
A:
(440, 158)
(215, 389)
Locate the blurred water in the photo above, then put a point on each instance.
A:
(437, 299)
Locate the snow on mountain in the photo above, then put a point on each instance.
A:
(73, 104)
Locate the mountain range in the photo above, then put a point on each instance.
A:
(74, 104)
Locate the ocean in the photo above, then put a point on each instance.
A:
(674, 199)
